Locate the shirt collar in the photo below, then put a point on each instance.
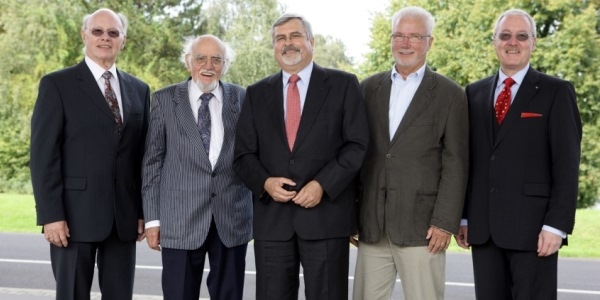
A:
(304, 74)
(416, 75)
(517, 77)
(97, 70)
(195, 91)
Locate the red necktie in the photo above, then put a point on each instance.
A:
(293, 110)
(503, 101)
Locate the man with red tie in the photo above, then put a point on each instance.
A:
(301, 139)
(525, 133)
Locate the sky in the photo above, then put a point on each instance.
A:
(348, 20)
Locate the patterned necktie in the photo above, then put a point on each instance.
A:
(503, 101)
(111, 98)
(204, 120)
(293, 110)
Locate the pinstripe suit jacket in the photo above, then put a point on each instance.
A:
(180, 189)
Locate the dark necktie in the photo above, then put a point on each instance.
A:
(204, 120)
(293, 110)
(111, 98)
(503, 101)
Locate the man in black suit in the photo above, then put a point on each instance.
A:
(87, 140)
(299, 146)
(525, 133)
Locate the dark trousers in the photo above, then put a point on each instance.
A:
(503, 274)
(324, 263)
(73, 268)
(183, 270)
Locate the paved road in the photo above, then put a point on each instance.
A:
(25, 273)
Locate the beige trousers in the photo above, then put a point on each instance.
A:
(422, 274)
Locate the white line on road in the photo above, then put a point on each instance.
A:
(462, 284)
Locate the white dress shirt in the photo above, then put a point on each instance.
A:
(401, 96)
(302, 85)
(97, 71)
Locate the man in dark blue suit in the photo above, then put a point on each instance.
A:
(525, 134)
(87, 142)
(299, 145)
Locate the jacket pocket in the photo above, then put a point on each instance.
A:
(536, 189)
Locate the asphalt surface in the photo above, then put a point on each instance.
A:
(25, 273)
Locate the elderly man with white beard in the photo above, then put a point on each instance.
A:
(193, 201)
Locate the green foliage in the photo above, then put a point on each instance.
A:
(568, 46)
(17, 213)
(329, 52)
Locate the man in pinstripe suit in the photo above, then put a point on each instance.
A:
(193, 201)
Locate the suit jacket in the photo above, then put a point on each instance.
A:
(81, 171)
(180, 188)
(330, 147)
(419, 178)
(527, 176)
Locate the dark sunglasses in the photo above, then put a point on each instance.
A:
(521, 37)
(113, 33)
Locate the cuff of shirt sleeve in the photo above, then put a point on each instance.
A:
(155, 223)
(555, 231)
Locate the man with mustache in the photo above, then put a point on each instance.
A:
(301, 139)
(524, 153)
(194, 202)
(415, 175)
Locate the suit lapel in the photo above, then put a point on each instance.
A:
(89, 86)
(274, 96)
(185, 117)
(231, 110)
(315, 97)
(126, 96)
(383, 92)
(422, 98)
(487, 108)
(529, 87)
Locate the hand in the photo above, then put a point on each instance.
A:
(274, 186)
(354, 240)
(439, 240)
(461, 237)
(548, 243)
(310, 195)
(153, 237)
(141, 232)
(57, 233)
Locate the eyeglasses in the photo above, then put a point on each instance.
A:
(294, 37)
(201, 60)
(113, 33)
(413, 38)
(521, 37)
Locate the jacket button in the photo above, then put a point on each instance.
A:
(213, 174)
(493, 158)
(291, 161)
(388, 156)
(213, 195)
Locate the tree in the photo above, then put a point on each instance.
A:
(568, 46)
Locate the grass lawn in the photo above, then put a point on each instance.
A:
(17, 214)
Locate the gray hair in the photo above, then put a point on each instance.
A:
(516, 12)
(288, 17)
(190, 41)
(122, 18)
(416, 12)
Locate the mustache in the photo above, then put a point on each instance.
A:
(289, 48)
